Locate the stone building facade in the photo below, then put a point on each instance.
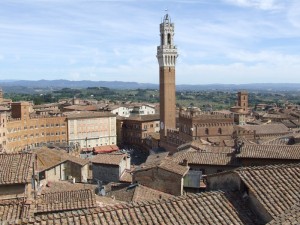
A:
(110, 167)
(91, 129)
(26, 130)
(166, 176)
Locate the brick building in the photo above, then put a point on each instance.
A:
(26, 130)
(136, 130)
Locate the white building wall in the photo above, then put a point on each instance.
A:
(92, 132)
(121, 111)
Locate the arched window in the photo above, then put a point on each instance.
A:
(169, 39)
(220, 131)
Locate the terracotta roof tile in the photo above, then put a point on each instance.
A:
(289, 217)
(88, 114)
(205, 158)
(199, 145)
(16, 168)
(109, 159)
(47, 158)
(275, 187)
(65, 200)
(270, 151)
(165, 164)
(171, 166)
(152, 117)
(13, 209)
(268, 128)
(206, 208)
(126, 176)
(138, 192)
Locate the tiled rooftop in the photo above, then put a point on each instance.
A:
(277, 188)
(109, 159)
(144, 118)
(88, 114)
(138, 192)
(205, 158)
(289, 217)
(207, 208)
(126, 176)
(47, 158)
(270, 152)
(65, 200)
(16, 168)
(13, 209)
(165, 164)
(268, 128)
(199, 145)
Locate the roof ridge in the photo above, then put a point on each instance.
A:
(275, 166)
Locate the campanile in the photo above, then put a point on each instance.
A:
(167, 55)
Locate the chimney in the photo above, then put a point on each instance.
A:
(184, 162)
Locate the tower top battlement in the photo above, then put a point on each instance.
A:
(167, 51)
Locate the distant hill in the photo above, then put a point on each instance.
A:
(58, 84)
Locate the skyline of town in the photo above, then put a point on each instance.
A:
(148, 156)
(100, 40)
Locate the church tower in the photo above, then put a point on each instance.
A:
(167, 55)
(243, 100)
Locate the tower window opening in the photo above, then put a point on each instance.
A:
(206, 131)
(169, 69)
(162, 39)
(169, 38)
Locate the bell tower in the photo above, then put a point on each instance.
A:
(167, 55)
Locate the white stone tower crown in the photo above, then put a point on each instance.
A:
(167, 51)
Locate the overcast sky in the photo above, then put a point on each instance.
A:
(218, 41)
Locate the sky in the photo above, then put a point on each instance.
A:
(218, 41)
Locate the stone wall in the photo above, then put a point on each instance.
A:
(161, 180)
(211, 169)
(12, 191)
(224, 181)
(106, 173)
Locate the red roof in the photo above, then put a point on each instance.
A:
(105, 149)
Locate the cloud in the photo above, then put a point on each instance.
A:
(258, 4)
(265, 57)
(237, 73)
(293, 14)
